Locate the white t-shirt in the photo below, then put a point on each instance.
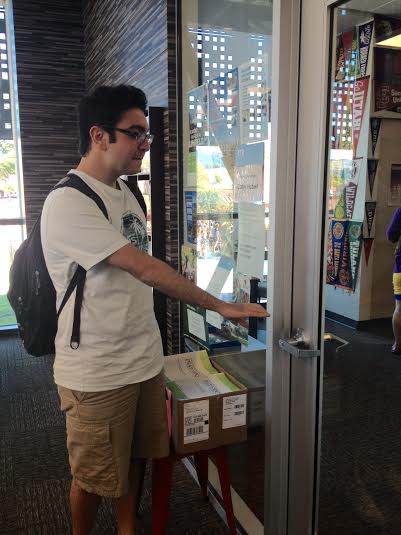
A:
(120, 338)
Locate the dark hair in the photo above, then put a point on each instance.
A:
(105, 106)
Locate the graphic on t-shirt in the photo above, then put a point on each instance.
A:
(133, 229)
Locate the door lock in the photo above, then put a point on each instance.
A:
(297, 346)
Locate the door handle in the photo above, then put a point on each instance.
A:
(297, 346)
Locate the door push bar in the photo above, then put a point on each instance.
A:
(297, 346)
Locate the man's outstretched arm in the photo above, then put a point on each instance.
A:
(161, 276)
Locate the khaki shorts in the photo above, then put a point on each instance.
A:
(107, 430)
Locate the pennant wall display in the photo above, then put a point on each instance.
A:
(340, 210)
(370, 209)
(372, 168)
(355, 248)
(338, 234)
(361, 88)
(364, 37)
(356, 169)
(374, 131)
(350, 195)
(367, 245)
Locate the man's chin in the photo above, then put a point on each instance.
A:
(135, 167)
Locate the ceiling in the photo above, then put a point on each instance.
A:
(382, 7)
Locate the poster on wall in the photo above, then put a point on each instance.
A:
(387, 79)
(394, 194)
(372, 168)
(190, 216)
(367, 245)
(355, 248)
(239, 330)
(338, 234)
(364, 38)
(375, 124)
(361, 89)
(249, 167)
(224, 122)
(188, 262)
(198, 116)
(370, 210)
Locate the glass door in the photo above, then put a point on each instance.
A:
(360, 462)
(239, 65)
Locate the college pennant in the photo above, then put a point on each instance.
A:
(374, 131)
(356, 169)
(367, 245)
(370, 209)
(372, 167)
(355, 248)
(350, 194)
(344, 275)
(359, 101)
(330, 278)
(364, 37)
(339, 229)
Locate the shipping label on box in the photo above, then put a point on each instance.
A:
(196, 421)
(234, 411)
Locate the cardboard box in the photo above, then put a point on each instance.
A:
(199, 424)
(250, 369)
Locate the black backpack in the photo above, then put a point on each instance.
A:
(32, 294)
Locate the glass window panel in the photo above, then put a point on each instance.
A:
(226, 163)
(11, 237)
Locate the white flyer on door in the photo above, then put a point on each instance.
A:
(196, 421)
(234, 411)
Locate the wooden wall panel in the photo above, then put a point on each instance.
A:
(126, 42)
(50, 77)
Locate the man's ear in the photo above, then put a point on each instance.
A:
(99, 137)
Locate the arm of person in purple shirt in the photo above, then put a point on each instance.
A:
(394, 229)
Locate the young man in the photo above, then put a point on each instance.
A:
(111, 387)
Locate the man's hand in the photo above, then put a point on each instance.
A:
(236, 311)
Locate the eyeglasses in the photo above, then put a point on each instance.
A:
(140, 137)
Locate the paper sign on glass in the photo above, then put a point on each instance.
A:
(251, 239)
(196, 324)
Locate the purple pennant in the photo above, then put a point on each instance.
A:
(374, 131)
(372, 168)
(370, 209)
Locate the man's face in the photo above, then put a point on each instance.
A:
(126, 154)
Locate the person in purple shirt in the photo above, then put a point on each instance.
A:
(394, 235)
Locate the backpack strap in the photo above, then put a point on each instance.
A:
(79, 277)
